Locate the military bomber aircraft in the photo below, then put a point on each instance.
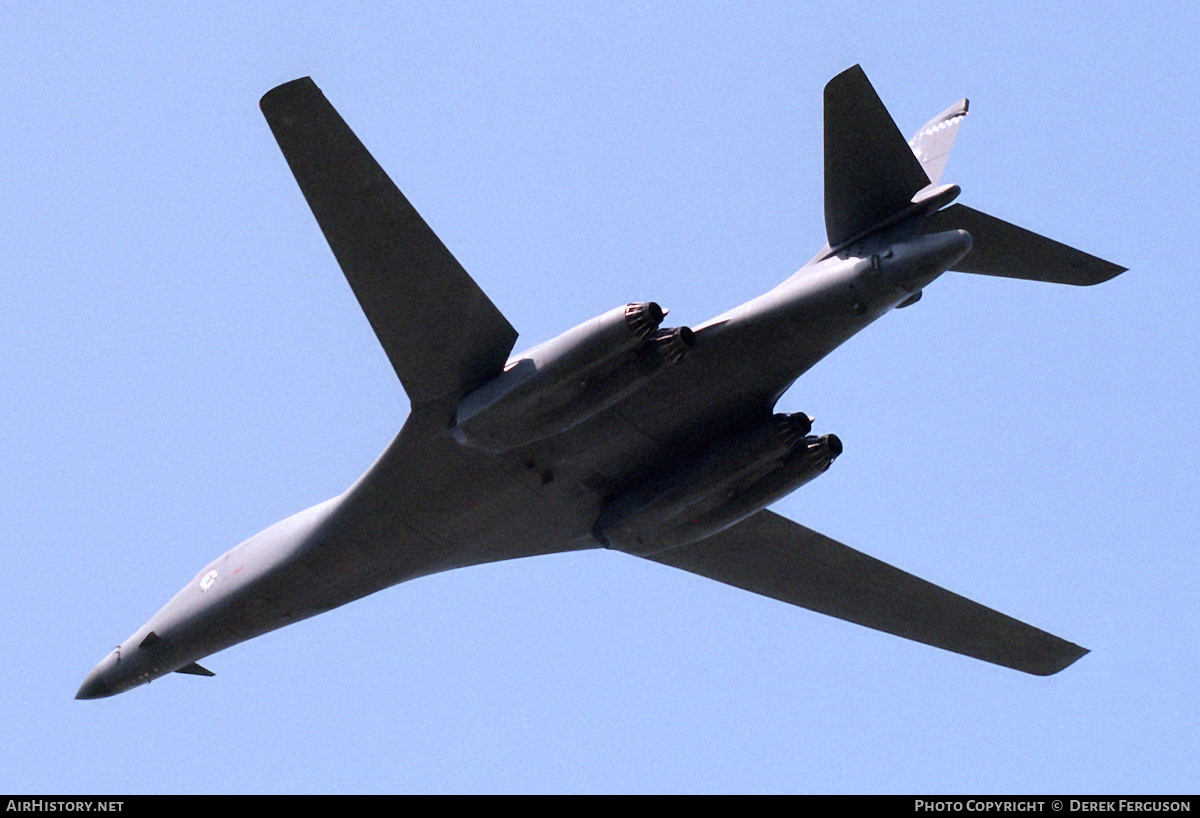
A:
(620, 433)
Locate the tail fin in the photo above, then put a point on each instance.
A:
(1003, 249)
(933, 142)
(870, 170)
(872, 176)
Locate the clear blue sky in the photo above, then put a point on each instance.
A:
(183, 365)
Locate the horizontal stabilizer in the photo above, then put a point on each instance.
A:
(194, 669)
(441, 333)
(773, 556)
(870, 170)
(1003, 249)
(933, 142)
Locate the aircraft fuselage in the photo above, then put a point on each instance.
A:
(549, 491)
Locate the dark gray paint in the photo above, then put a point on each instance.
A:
(435, 500)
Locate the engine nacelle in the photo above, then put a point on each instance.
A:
(721, 486)
(569, 379)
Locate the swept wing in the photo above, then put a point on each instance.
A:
(441, 333)
(775, 557)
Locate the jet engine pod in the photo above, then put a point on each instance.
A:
(569, 379)
(720, 486)
(673, 344)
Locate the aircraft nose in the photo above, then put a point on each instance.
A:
(99, 683)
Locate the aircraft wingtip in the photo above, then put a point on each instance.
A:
(1070, 654)
(855, 70)
(1099, 272)
(281, 90)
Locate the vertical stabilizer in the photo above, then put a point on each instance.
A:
(870, 170)
(933, 142)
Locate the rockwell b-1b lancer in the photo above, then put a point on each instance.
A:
(620, 433)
